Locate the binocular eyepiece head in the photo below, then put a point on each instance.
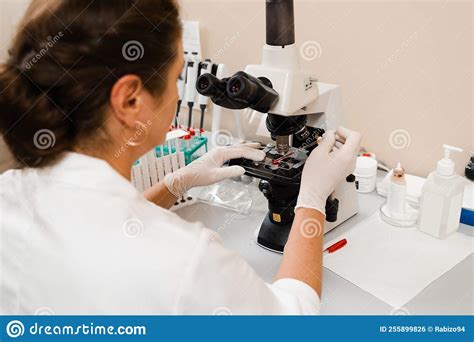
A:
(209, 85)
(240, 87)
(239, 91)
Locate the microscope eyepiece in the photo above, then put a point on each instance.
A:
(216, 89)
(257, 92)
(242, 88)
(209, 85)
(204, 84)
(235, 86)
(238, 92)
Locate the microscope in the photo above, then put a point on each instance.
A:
(299, 110)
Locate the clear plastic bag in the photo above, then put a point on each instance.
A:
(234, 194)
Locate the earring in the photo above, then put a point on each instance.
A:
(139, 136)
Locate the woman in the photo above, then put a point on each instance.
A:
(76, 236)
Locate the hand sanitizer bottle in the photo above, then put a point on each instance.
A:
(441, 198)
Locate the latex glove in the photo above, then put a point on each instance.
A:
(328, 164)
(208, 169)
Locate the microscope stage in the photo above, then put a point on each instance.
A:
(281, 168)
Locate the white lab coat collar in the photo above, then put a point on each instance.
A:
(89, 172)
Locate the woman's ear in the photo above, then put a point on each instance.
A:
(125, 100)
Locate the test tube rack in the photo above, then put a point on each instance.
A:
(190, 150)
(179, 150)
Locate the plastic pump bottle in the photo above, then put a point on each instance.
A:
(441, 198)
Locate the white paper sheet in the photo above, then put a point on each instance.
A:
(395, 264)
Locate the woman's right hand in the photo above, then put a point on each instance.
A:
(327, 165)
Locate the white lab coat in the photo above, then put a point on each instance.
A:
(78, 238)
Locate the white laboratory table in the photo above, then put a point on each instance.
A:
(451, 294)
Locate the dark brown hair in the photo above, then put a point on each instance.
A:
(64, 61)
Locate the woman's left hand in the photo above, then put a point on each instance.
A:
(208, 169)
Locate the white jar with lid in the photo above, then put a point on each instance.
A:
(366, 174)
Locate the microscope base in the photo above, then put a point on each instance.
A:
(272, 236)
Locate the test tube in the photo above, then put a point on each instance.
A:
(174, 156)
(181, 158)
(167, 162)
(137, 177)
(145, 172)
(151, 159)
(159, 164)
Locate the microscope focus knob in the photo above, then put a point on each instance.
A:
(265, 187)
(332, 207)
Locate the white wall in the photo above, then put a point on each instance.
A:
(11, 12)
(405, 67)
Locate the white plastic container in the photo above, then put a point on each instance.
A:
(441, 198)
(397, 211)
(366, 174)
(397, 189)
